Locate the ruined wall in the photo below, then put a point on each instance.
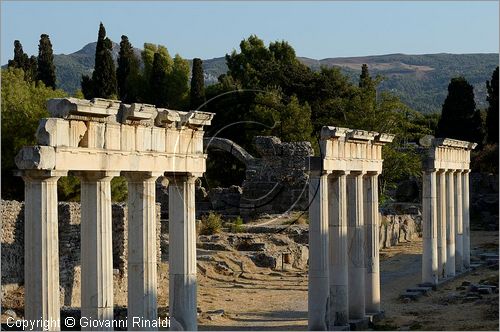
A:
(12, 213)
(396, 229)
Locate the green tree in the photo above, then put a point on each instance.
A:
(458, 117)
(104, 76)
(127, 73)
(23, 105)
(158, 81)
(492, 115)
(177, 84)
(197, 93)
(21, 60)
(148, 55)
(46, 67)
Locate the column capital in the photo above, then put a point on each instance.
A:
(442, 170)
(96, 175)
(40, 174)
(182, 177)
(430, 170)
(141, 176)
(371, 173)
(458, 171)
(357, 173)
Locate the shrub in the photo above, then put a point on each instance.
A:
(237, 225)
(210, 224)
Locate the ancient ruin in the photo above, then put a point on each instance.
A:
(344, 280)
(445, 203)
(98, 140)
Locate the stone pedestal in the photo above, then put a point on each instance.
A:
(318, 252)
(441, 223)
(372, 278)
(450, 225)
(142, 279)
(429, 255)
(182, 253)
(459, 244)
(338, 310)
(356, 246)
(466, 219)
(96, 246)
(41, 260)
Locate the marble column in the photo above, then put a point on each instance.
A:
(318, 252)
(441, 223)
(450, 224)
(41, 253)
(337, 239)
(372, 263)
(466, 218)
(182, 252)
(356, 246)
(96, 246)
(141, 266)
(429, 233)
(459, 244)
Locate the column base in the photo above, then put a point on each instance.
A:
(361, 324)
(376, 317)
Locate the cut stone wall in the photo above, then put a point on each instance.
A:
(12, 213)
(396, 229)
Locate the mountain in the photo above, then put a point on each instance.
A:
(420, 81)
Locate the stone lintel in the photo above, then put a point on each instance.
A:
(181, 176)
(97, 107)
(39, 174)
(140, 176)
(453, 143)
(384, 138)
(138, 112)
(166, 117)
(361, 135)
(96, 175)
(328, 132)
(196, 119)
(36, 157)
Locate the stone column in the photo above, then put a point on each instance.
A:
(372, 263)
(356, 246)
(318, 252)
(450, 224)
(338, 269)
(466, 218)
(429, 255)
(142, 279)
(96, 246)
(441, 223)
(182, 252)
(459, 244)
(41, 253)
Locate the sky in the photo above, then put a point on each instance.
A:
(209, 29)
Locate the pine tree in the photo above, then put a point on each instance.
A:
(197, 96)
(127, 74)
(492, 115)
(158, 81)
(46, 69)
(104, 75)
(458, 117)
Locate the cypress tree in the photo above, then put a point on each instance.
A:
(158, 80)
(127, 73)
(87, 87)
(20, 58)
(46, 69)
(492, 115)
(458, 116)
(197, 84)
(104, 75)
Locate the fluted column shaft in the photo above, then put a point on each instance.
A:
(356, 245)
(459, 244)
(429, 255)
(41, 256)
(372, 263)
(182, 253)
(142, 278)
(441, 223)
(450, 224)
(318, 252)
(466, 219)
(338, 267)
(96, 246)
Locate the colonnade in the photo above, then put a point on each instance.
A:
(97, 140)
(344, 278)
(445, 205)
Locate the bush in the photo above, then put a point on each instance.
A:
(210, 224)
(237, 225)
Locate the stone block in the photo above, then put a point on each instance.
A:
(172, 141)
(158, 139)
(53, 132)
(36, 157)
(94, 136)
(142, 138)
(77, 131)
(410, 295)
(127, 138)
(112, 139)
